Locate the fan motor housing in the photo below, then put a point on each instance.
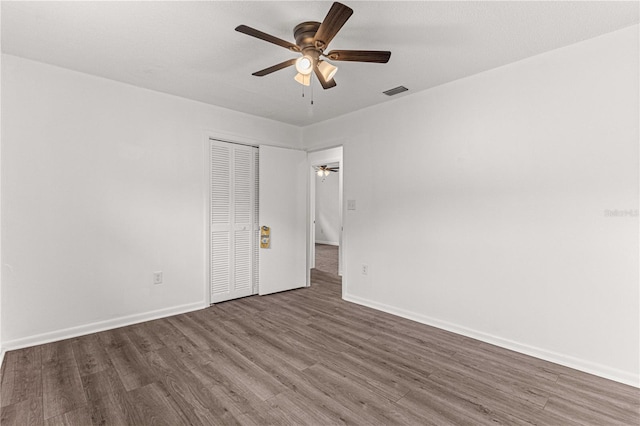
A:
(304, 34)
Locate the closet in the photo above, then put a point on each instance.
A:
(233, 221)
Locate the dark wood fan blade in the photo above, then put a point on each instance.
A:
(274, 68)
(335, 19)
(360, 55)
(267, 37)
(324, 83)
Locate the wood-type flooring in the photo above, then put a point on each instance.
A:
(298, 357)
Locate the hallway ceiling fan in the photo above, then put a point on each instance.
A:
(312, 38)
(325, 170)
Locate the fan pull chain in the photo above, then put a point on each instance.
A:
(310, 88)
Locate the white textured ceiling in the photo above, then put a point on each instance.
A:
(190, 49)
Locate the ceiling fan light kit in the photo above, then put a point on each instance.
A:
(303, 79)
(304, 65)
(312, 38)
(327, 70)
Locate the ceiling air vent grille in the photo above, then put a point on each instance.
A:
(395, 90)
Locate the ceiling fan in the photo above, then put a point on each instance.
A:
(325, 170)
(312, 38)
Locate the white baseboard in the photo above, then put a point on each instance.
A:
(329, 243)
(557, 358)
(81, 330)
(1, 356)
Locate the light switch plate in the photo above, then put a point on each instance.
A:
(351, 204)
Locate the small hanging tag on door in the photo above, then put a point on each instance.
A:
(265, 237)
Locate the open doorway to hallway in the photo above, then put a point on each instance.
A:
(326, 225)
(327, 217)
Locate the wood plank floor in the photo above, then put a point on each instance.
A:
(298, 357)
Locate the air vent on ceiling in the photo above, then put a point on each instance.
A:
(395, 90)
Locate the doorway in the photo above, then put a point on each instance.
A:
(325, 213)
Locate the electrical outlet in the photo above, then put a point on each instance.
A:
(365, 269)
(157, 277)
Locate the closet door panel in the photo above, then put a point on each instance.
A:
(233, 228)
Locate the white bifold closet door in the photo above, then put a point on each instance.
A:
(233, 221)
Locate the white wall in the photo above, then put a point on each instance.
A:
(327, 209)
(102, 184)
(1, 346)
(488, 217)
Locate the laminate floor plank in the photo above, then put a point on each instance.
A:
(133, 369)
(231, 395)
(277, 347)
(250, 377)
(373, 375)
(263, 353)
(586, 415)
(507, 369)
(282, 368)
(237, 325)
(198, 406)
(155, 406)
(413, 368)
(90, 355)
(306, 411)
(241, 308)
(315, 402)
(165, 331)
(191, 388)
(436, 409)
(525, 365)
(185, 325)
(27, 412)
(313, 344)
(22, 376)
(590, 390)
(79, 416)
(300, 357)
(189, 354)
(144, 338)
(369, 406)
(113, 339)
(108, 400)
(354, 329)
(493, 405)
(274, 416)
(526, 391)
(61, 382)
(401, 374)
